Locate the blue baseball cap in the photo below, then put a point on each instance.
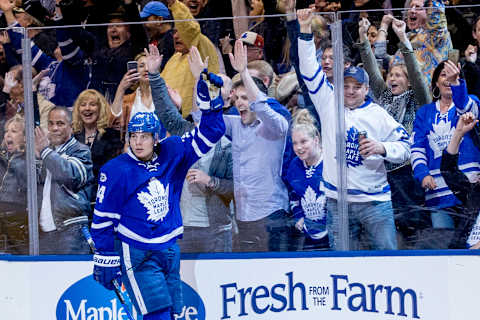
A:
(356, 73)
(155, 8)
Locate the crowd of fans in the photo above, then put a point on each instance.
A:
(270, 184)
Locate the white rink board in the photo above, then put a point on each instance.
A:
(404, 287)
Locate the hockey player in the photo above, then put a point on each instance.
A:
(304, 178)
(369, 198)
(138, 203)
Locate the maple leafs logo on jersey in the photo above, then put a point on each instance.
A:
(155, 200)
(440, 136)
(353, 156)
(313, 207)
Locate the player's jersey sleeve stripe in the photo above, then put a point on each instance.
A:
(103, 214)
(197, 149)
(204, 139)
(101, 225)
(163, 239)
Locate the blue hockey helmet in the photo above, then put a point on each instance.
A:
(145, 122)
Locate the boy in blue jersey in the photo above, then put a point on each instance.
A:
(138, 202)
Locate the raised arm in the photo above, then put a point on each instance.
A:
(239, 63)
(462, 100)
(377, 84)
(319, 87)
(415, 75)
(164, 107)
(276, 124)
(40, 60)
(129, 78)
(72, 171)
(456, 179)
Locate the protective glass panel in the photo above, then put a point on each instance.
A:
(13, 151)
(403, 52)
(243, 196)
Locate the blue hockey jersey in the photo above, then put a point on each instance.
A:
(67, 78)
(432, 132)
(140, 201)
(307, 196)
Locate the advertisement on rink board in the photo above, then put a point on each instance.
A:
(387, 288)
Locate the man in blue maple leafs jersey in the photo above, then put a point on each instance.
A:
(368, 192)
(138, 202)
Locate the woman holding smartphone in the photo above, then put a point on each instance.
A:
(126, 106)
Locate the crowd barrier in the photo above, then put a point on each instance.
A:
(414, 226)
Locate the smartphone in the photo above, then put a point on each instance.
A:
(132, 65)
(454, 56)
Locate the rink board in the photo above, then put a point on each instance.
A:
(421, 285)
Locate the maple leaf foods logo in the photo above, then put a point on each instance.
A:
(155, 200)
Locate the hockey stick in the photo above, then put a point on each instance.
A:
(116, 285)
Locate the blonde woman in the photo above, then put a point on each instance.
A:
(90, 126)
(13, 188)
(125, 106)
(305, 181)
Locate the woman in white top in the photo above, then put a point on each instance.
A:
(125, 106)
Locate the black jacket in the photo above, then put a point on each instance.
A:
(468, 193)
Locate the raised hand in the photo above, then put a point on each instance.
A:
(452, 72)
(197, 65)
(154, 59)
(9, 82)
(363, 26)
(239, 59)
(4, 38)
(41, 141)
(304, 17)
(399, 27)
(386, 21)
(175, 96)
(465, 123)
(471, 53)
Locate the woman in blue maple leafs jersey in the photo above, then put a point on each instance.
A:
(304, 178)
